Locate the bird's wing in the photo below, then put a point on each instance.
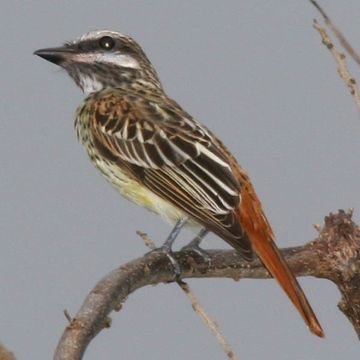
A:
(171, 154)
(175, 157)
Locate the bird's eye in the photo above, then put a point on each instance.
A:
(107, 42)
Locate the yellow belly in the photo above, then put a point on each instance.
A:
(140, 195)
(129, 188)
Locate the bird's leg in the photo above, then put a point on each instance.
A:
(174, 233)
(167, 246)
(194, 245)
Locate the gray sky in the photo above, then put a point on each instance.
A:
(256, 73)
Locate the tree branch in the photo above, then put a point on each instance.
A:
(333, 255)
(340, 59)
(210, 323)
(339, 35)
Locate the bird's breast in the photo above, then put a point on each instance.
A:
(121, 181)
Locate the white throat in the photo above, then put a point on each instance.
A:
(89, 85)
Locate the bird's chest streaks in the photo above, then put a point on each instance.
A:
(112, 172)
(128, 187)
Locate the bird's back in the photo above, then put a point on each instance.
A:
(148, 142)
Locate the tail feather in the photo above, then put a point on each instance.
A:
(256, 226)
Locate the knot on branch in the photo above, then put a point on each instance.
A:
(334, 255)
(338, 247)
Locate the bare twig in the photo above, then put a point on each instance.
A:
(197, 307)
(147, 240)
(333, 255)
(67, 315)
(339, 57)
(339, 35)
(341, 62)
(208, 321)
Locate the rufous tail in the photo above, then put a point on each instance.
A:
(259, 231)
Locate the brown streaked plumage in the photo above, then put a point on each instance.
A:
(160, 157)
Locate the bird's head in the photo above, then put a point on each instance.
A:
(103, 59)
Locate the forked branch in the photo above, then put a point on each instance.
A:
(333, 255)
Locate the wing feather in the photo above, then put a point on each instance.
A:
(173, 156)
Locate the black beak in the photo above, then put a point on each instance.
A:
(55, 55)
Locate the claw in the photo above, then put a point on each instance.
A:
(199, 251)
(166, 248)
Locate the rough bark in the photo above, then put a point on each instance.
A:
(333, 255)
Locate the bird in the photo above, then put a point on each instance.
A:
(160, 157)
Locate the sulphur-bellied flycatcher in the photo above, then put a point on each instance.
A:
(158, 156)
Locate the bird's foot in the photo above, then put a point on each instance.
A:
(195, 247)
(166, 250)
